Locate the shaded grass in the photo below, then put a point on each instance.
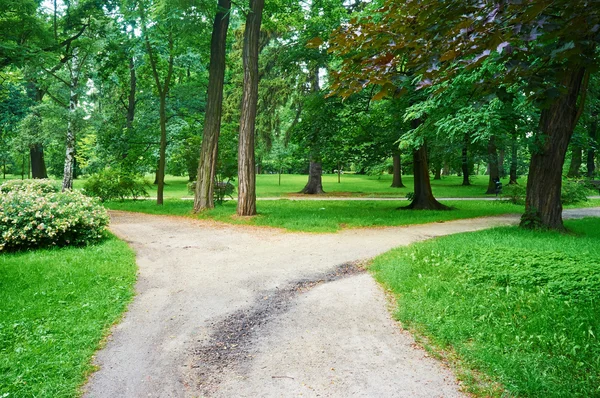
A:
(325, 216)
(56, 307)
(520, 306)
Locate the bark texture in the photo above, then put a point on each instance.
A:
(576, 160)
(314, 186)
(543, 207)
(397, 180)
(204, 195)
(465, 162)
(67, 183)
(591, 152)
(423, 196)
(493, 165)
(246, 205)
(38, 165)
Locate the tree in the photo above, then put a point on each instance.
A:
(548, 45)
(203, 198)
(246, 205)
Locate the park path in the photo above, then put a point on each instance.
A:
(232, 311)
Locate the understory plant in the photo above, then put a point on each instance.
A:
(110, 184)
(35, 214)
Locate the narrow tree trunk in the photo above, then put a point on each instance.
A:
(246, 205)
(397, 179)
(423, 196)
(446, 168)
(130, 116)
(437, 173)
(465, 162)
(576, 160)
(339, 173)
(38, 166)
(314, 186)
(67, 183)
(23, 168)
(543, 207)
(501, 169)
(591, 153)
(162, 152)
(493, 166)
(513, 160)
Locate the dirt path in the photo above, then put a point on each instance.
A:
(230, 311)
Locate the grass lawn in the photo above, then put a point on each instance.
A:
(324, 216)
(351, 185)
(56, 307)
(520, 307)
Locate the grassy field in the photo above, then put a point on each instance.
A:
(324, 216)
(56, 307)
(351, 185)
(520, 307)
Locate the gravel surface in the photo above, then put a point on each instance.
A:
(232, 311)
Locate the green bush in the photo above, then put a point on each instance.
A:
(515, 194)
(31, 217)
(39, 186)
(112, 184)
(573, 191)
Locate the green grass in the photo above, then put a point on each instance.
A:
(56, 306)
(519, 306)
(325, 216)
(351, 185)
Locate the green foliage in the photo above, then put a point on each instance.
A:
(57, 305)
(40, 187)
(110, 184)
(515, 193)
(31, 218)
(573, 192)
(519, 305)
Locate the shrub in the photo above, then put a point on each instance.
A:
(39, 186)
(112, 184)
(515, 194)
(573, 191)
(30, 217)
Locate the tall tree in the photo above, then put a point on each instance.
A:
(203, 198)
(246, 205)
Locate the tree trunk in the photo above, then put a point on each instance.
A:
(131, 103)
(397, 180)
(314, 186)
(543, 207)
(493, 166)
(38, 166)
(446, 168)
(246, 205)
(591, 153)
(501, 169)
(437, 173)
(67, 183)
(423, 196)
(203, 198)
(513, 160)
(576, 160)
(162, 152)
(339, 173)
(465, 162)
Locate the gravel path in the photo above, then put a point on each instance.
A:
(230, 311)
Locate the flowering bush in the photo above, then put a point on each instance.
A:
(30, 216)
(39, 186)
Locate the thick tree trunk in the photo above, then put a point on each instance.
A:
(162, 152)
(591, 153)
(465, 161)
(314, 186)
(397, 180)
(493, 166)
(246, 205)
(38, 165)
(203, 198)
(423, 196)
(67, 183)
(576, 160)
(543, 207)
(513, 160)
